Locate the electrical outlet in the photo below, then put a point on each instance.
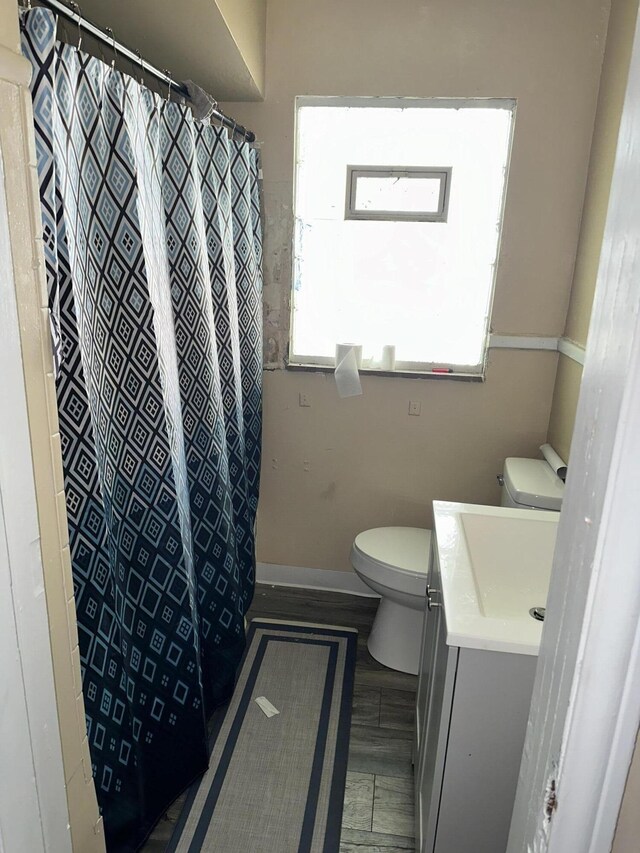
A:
(415, 407)
(306, 465)
(274, 464)
(304, 400)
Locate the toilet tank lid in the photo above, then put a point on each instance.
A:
(533, 482)
(404, 548)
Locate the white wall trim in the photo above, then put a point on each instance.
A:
(304, 577)
(571, 349)
(535, 342)
(522, 342)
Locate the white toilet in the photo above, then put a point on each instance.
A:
(530, 484)
(394, 561)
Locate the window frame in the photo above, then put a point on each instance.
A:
(442, 173)
(422, 369)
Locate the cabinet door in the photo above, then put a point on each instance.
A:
(431, 757)
(426, 662)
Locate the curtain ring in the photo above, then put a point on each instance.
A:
(233, 131)
(139, 55)
(170, 82)
(76, 8)
(109, 32)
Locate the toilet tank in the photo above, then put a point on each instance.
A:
(531, 484)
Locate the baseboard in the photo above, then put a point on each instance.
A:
(306, 578)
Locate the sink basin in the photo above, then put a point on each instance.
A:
(510, 561)
(495, 565)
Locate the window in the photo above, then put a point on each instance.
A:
(411, 194)
(398, 211)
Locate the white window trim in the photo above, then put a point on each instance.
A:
(441, 173)
(367, 102)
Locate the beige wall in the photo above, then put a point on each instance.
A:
(246, 20)
(16, 141)
(628, 829)
(341, 466)
(613, 82)
(388, 467)
(9, 34)
(564, 405)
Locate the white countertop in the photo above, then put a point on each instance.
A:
(495, 564)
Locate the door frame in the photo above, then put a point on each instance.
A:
(33, 799)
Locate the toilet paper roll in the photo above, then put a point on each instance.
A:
(346, 372)
(558, 465)
(343, 349)
(388, 360)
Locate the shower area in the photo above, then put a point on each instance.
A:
(153, 251)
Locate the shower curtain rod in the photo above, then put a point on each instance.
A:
(107, 38)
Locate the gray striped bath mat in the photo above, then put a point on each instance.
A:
(276, 784)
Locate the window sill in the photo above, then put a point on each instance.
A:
(402, 374)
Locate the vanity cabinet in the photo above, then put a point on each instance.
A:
(471, 715)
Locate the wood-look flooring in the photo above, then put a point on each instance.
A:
(378, 804)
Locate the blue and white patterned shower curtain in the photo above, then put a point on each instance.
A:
(153, 252)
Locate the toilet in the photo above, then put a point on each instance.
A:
(530, 484)
(394, 561)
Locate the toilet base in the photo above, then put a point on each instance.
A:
(396, 635)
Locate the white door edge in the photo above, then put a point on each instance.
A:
(585, 709)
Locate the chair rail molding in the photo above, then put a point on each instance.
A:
(565, 346)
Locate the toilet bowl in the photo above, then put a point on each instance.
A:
(393, 561)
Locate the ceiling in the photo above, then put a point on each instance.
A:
(192, 39)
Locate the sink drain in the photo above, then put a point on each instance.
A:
(537, 613)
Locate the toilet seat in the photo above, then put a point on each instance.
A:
(395, 557)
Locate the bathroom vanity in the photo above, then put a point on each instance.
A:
(489, 566)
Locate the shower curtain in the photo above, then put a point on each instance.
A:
(152, 241)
